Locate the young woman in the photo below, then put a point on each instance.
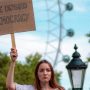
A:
(44, 76)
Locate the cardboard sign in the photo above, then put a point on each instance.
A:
(16, 16)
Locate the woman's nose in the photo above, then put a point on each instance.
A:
(45, 72)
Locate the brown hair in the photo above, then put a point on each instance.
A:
(52, 81)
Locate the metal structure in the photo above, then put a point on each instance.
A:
(76, 70)
(56, 30)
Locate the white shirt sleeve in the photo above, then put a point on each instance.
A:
(24, 87)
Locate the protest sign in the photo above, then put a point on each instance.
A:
(16, 16)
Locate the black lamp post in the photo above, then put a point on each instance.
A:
(76, 69)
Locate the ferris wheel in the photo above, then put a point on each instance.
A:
(55, 11)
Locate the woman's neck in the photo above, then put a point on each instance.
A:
(45, 86)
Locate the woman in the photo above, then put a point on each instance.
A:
(44, 76)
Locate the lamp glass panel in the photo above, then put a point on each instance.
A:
(77, 78)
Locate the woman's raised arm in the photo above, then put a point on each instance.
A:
(10, 84)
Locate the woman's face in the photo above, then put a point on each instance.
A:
(44, 73)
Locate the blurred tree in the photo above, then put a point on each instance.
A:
(24, 72)
(58, 76)
(88, 35)
(88, 59)
(4, 63)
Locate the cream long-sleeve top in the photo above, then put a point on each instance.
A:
(26, 87)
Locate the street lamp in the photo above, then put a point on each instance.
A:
(76, 70)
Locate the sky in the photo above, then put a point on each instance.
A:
(31, 42)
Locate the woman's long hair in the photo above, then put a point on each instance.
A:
(52, 81)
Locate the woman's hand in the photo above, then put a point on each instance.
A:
(13, 54)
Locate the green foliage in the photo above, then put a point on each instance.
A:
(88, 35)
(88, 59)
(58, 76)
(4, 63)
(24, 72)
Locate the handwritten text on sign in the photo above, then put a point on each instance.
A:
(16, 16)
